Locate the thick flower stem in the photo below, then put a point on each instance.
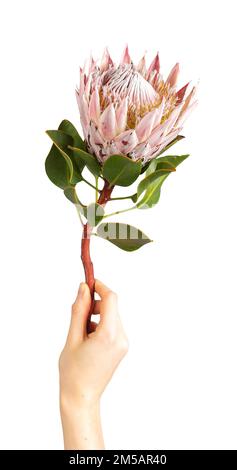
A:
(86, 258)
(85, 246)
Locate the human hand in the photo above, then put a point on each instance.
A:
(88, 361)
(87, 364)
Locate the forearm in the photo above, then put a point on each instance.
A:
(82, 426)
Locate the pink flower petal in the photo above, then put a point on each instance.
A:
(141, 151)
(108, 122)
(157, 149)
(156, 135)
(126, 59)
(121, 116)
(154, 78)
(106, 60)
(180, 94)
(141, 66)
(146, 125)
(160, 131)
(94, 106)
(83, 109)
(155, 66)
(159, 113)
(96, 137)
(111, 149)
(126, 141)
(188, 100)
(92, 64)
(95, 142)
(171, 136)
(88, 87)
(82, 82)
(172, 120)
(173, 76)
(187, 113)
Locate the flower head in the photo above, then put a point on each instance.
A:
(130, 109)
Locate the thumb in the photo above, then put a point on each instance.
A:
(80, 311)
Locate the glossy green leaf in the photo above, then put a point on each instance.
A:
(57, 168)
(60, 139)
(151, 167)
(78, 164)
(70, 193)
(151, 186)
(152, 194)
(89, 160)
(124, 236)
(62, 142)
(165, 166)
(173, 160)
(146, 182)
(120, 170)
(67, 127)
(151, 197)
(94, 213)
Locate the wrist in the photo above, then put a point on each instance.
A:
(81, 424)
(78, 405)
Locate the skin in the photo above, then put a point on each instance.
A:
(86, 365)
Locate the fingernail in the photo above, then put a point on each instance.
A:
(81, 290)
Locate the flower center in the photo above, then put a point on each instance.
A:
(125, 81)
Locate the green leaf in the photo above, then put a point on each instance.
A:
(57, 168)
(78, 164)
(67, 127)
(89, 160)
(146, 182)
(151, 167)
(151, 185)
(62, 142)
(70, 193)
(173, 160)
(94, 213)
(60, 139)
(124, 236)
(152, 195)
(166, 166)
(174, 141)
(121, 170)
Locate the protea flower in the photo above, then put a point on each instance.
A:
(130, 109)
(129, 116)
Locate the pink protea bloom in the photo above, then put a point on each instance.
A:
(130, 109)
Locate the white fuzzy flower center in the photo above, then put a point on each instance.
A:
(126, 81)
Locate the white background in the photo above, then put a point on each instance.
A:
(177, 387)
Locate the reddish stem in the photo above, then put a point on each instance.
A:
(85, 246)
(86, 259)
